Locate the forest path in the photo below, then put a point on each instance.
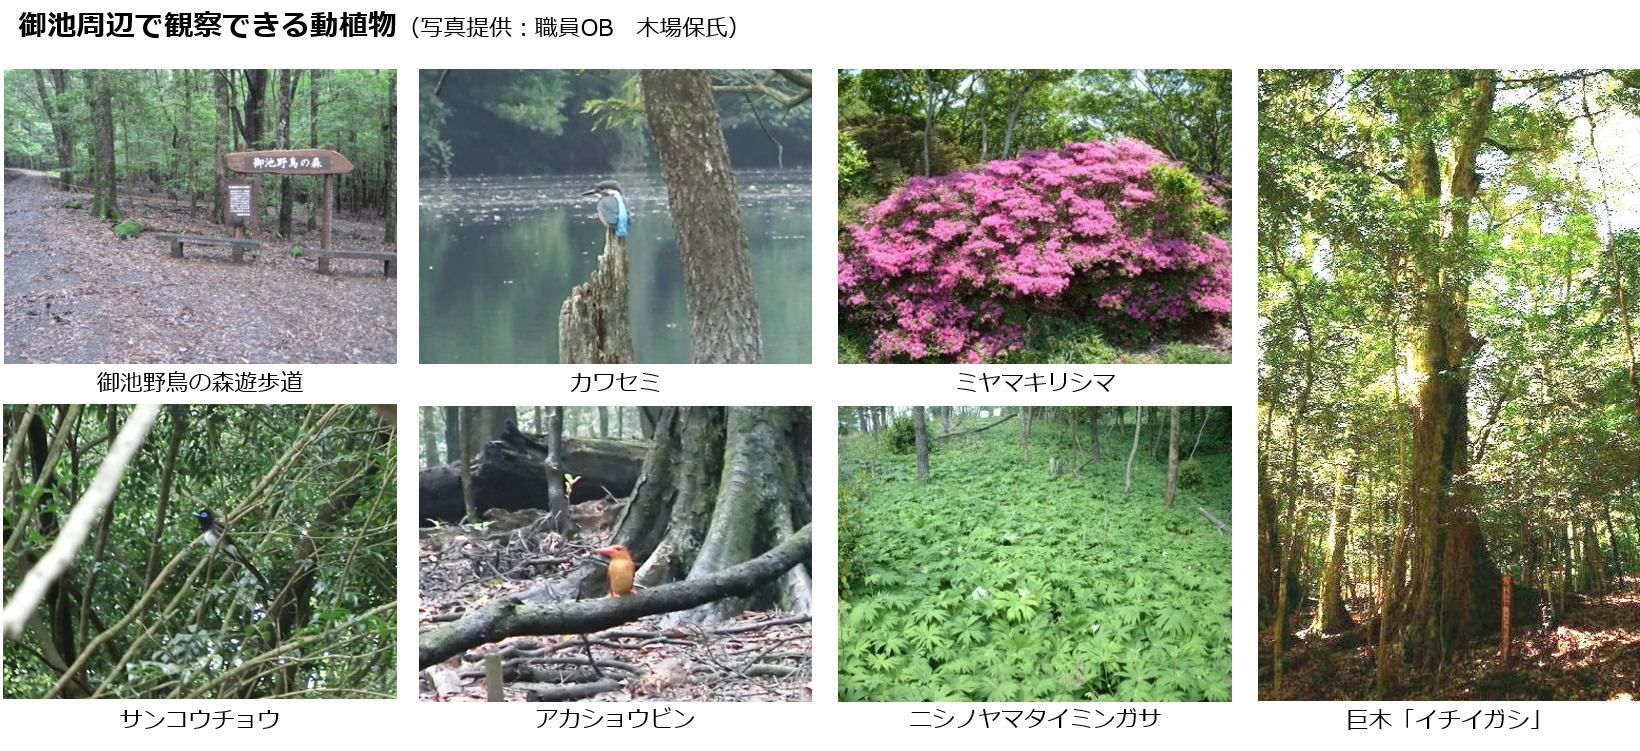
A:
(76, 293)
(43, 292)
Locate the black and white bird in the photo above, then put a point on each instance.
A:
(212, 528)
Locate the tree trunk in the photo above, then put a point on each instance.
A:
(593, 325)
(467, 499)
(390, 160)
(288, 80)
(557, 492)
(1330, 613)
(920, 424)
(105, 186)
(62, 127)
(1173, 458)
(224, 140)
(1138, 411)
(1093, 427)
(429, 436)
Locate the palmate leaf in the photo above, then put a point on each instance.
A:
(883, 663)
(1021, 610)
(1008, 690)
(1106, 653)
(1129, 615)
(1175, 622)
(939, 691)
(965, 687)
(862, 613)
(1194, 647)
(893, 643)
(1139, 668)
(1138, 690)
(1179, 681)
(928, 638)
(929, 614)
(958, 666)
(907, 692)
(1217, 688)
(918, 673)
(847, 691)
(971, 631)
(1014, 641)
(1052, 688)
(898, 601)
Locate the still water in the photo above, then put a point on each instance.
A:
(500, 255)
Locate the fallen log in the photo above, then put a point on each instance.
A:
(1223, 528)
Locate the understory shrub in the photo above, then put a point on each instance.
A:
(954, 268)
(1192, 476)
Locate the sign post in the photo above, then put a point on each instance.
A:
(323, 161)
(241, 204)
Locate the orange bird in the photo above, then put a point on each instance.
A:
(620, 569)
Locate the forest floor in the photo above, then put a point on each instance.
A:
(1593, 654)
(76, 293)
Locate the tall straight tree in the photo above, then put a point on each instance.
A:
(1454, 587)
(105, 186)
(1173, 457)
(919, 422)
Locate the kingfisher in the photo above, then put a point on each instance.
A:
(611, 206)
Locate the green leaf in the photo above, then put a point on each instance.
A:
(1217, 688)
(883, 663)
(862, 613)
(1174, 621)
(971, 631)
(1004, 691)
(929, 614)
(927, 638)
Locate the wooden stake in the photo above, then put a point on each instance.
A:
(1503, 649)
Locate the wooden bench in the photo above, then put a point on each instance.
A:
(390, 261)
(240, 244)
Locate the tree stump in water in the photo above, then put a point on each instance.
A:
(592, 326)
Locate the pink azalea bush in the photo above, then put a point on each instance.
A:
(953, 268)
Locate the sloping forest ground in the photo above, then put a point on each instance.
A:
(1591, 654)
(77, 293)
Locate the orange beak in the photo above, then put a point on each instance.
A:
(621, 569)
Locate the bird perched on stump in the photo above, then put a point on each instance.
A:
(611, 206)
(621, 569)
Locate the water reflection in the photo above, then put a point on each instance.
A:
(500, 255)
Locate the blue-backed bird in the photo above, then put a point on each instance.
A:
(611, 206)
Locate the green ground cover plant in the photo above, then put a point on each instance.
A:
(997, 581)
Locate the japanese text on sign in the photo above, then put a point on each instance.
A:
(289, 162)
(239, 199)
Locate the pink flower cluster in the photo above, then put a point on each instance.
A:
(952, 268)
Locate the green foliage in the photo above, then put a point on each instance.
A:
(1175, 622)
(1184, 202)
(1065, 341)
(1193, 354)
(902, 437)
(1185, 113)
(997, 582)
(1192, 475)
(851, 552)
(73, 204)
(227, 448)
(851, 165)
(127, 228)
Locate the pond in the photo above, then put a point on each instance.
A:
(500, 255)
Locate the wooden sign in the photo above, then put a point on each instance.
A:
(239, 206)
(290, 162)
(323, 161)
